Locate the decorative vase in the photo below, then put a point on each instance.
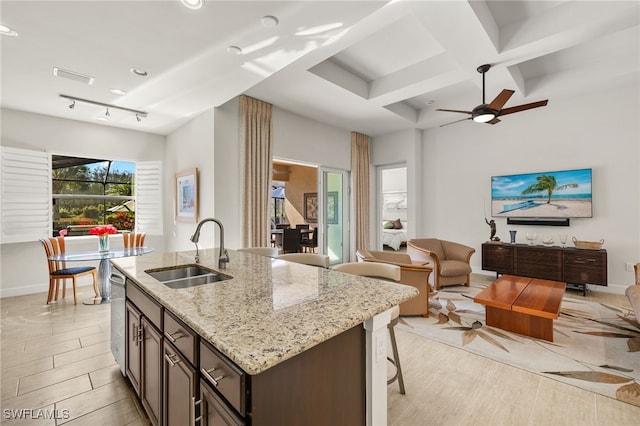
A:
(103, 242)
(513, 236)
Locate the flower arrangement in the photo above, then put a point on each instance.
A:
(103, 230)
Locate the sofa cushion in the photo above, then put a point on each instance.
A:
(633, 294)
(454, 268)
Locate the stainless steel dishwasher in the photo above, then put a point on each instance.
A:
(118, 317)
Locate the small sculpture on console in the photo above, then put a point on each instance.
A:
(492, 225)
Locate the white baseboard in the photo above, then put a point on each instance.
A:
(32, 289)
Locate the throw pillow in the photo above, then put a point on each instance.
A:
(397, 224)
(388, 225)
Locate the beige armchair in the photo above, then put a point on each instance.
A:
(449, 260)
(414, 275)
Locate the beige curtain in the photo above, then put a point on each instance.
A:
(257, 137)
(360, 176)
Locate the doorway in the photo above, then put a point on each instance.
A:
(333, 214)
(392, 207)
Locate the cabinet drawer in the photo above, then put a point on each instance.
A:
(225, 377)
(181, 336)
(497, 258)
(149, 307)
(589, 259)
(215, 411)
(577, 275)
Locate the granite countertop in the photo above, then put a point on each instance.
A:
(271, 310)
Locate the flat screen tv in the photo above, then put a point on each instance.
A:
(559, 194)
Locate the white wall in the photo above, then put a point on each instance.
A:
(598, 131)
(23, 265)
(302, 139)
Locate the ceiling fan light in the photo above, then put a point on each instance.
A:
(484, 117)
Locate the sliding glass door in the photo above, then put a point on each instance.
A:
(334, 214)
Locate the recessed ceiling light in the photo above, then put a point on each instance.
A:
(4, 30)
(118, 92)
(193, 4)
(269, 21)
(429, 102)
(139, 72)
(235, 50)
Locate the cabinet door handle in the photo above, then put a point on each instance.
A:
(171, 337)
(134, 334)
(193, 417)
(170, 359)
(140, 333)
(207, 374)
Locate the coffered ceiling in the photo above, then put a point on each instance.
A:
(373, 67)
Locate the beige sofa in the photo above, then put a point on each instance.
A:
(449, 260)
(410, 274)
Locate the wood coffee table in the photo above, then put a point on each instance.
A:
(523, 305)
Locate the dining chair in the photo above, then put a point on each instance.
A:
(262, 251)
(312, 259)
(290, 240)
(311, 242)
(383, 271)
(133, 239)
(58, 270)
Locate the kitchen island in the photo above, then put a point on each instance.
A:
(272, 317)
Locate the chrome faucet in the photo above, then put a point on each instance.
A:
(223, 258)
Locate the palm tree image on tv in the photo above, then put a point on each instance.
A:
(547, 184)
(552, 194)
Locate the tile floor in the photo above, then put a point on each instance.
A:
(57, 358)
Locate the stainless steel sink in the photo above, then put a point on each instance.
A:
(185, 276)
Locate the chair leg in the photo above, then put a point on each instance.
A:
(396, 361)
(64, 288)
(57, 290)
(50, 295)
(95, 284)
(75, 302)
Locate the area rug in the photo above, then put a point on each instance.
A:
(596, 346)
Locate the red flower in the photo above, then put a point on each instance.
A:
(102, 230)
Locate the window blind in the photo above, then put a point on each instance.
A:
(25, 185)
(148, 193)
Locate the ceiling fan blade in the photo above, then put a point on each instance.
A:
(454, 110)
(500, 100)
(523, 107)
(494, 121)
(457, 121)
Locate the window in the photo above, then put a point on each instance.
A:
(88, 191)
(37, 192)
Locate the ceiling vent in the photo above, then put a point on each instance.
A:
(72, 75)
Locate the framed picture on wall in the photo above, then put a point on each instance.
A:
(187, 196)
(311, 207)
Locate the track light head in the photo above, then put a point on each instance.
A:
(72, 105)
(107, 113)
(138, 118)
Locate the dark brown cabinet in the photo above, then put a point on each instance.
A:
(133, 346)
(179, 387)
(571, 265)
(144, 351)
(214, 410)
(498, 258)
(182, 379)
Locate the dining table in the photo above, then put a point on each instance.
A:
(104, 267)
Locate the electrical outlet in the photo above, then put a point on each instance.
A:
(628, 266)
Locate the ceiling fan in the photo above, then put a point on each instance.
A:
(489, 113)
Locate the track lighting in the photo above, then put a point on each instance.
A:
(139, 114)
